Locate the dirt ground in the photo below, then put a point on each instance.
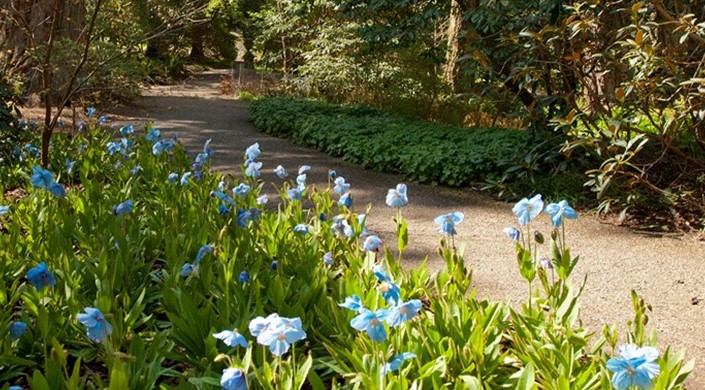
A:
(666, 270)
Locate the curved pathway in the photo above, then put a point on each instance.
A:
(667, 271)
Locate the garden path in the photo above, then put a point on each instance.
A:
(668, 271)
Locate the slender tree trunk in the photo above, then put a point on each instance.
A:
(452, 46)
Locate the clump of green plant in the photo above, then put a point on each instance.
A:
(155, 270)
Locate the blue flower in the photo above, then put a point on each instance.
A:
(279, 333)
(17, 329)
(244, 277)
(396, 197)
(33, 150)
(134, 171)
(127, 130)
(98, 329)
(102, 119)
(69, 164)
(202, 251)
(173, 177)
(123, 208)
(4, 210)
(241, 190)
(345, 200)
(252, 151)
(57, 189)
(90, 111)
(201, 158)
(274, 265)
(372, 243)
(372, 323)
(189, 269)
(560, 210)
(341, 186)
(41, 178)
(403, 312)
(252, 169)
(303, 169)
(261, 324)
(301, 228)
(160, 147)
(390, 290)
(243, 217)
(328, 259)
(281, 172)
(153, 135)
(232, 338)
(233, 379)
(528, 209)
(14, 388)
(294, 193)
(446, 222)
(40, 277)
(512, 233)
(636, 367)
(185, 178)
(223, 197)
(263, 199)
(353, 303)
(332, 174)
(223, 210)
(396, 362)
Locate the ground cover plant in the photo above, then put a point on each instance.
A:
(129, 264)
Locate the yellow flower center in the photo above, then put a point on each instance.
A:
(374, 322)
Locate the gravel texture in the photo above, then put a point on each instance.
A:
(666, 270)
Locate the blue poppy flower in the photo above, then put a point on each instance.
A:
(243, 217)
(372, 244)
(223, 210)
(261, 324)
(390, 290)
(41, 178)
(279, 333)
(14, 388)
(185, 178)
(127, 130)
(223, 197)
(123, 208)
(255, 213)
(232, 338)
(403, 312)
(241, 190)
(372, 323)
(294, 193)
(4, 210)
(560, 210)
(252, 169)
(206, 147)
(98, 329)
(153, 135)
(396, 197)
(262, 199)
(69, 164)
(636, 367)
(332, 174)
(17, 329)
(90, 111)
(301, 228)
(512, 233)
(446, 222)
(252, 151)
(102, 119)
(346, 200)
(233, 379)
(528, 209)
(244, 277)
(134, 171)
(189, 269)
(281, 172)
(301, 180)
(57, 190)
(173, 177)
(201, 159)
(274, 265)
(328, 259)
(32, 150)
(341, 186)
(202, 251)
(353, 303)
(303, 169)
(396, 362)
(40, 277)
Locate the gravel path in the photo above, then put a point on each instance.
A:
(667, 271)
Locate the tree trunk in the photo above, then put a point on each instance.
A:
(452, 49)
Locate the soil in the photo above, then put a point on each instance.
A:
(667, 270)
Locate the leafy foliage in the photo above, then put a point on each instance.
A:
(424, 151)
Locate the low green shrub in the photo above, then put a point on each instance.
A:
(131, 265)
(423, 151)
